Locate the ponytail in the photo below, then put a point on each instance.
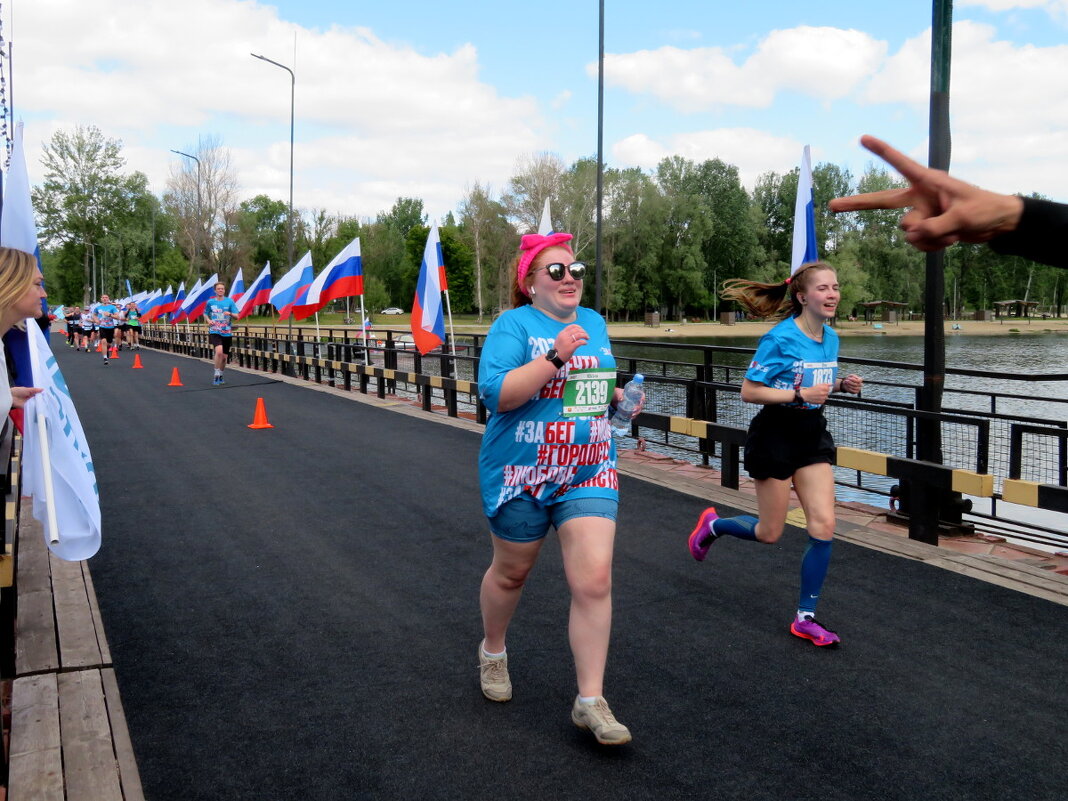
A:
(772, 300)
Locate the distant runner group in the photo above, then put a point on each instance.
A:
(104, 325)
(103, 322)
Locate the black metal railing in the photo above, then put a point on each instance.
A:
(683, 380)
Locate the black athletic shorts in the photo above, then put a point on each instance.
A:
(219, 339)
(107, 333)
(783, 439)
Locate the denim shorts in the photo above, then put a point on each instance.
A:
(523, 520)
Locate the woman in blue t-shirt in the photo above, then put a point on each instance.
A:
(547, 376)
(794, 370)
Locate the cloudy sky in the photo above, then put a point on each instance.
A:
(418, 98)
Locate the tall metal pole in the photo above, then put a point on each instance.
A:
(292, 100)
(197, 237)
(600, 154)
(927, 503)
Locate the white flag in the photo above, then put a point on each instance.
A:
(76, 498)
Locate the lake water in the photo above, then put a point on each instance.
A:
(1011, 358)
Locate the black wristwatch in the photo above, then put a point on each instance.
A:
(798, 399)
(554, 357)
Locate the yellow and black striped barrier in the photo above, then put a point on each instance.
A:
(967, 482)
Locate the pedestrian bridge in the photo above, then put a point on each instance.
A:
(293, 613)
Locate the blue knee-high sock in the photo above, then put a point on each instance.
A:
(813, 571)
(743, 527)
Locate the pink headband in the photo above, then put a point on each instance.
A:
(530, 246)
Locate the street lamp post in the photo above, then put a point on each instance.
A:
(197, 236)
(292, 98)
(92, 277)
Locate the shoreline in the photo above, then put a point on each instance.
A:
(910, 328)
(754, 329)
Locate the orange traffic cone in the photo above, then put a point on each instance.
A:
(114, 352)
(137, 362)
(99, 344)
(259, 420)
(176, 380)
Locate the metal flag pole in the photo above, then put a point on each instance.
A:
(42, 432)
(363, 327)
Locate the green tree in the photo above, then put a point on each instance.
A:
(262, 221)
(490, 238)
(82, 192)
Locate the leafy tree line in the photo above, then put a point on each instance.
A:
(671, 236)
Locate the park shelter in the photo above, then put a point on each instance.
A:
(889, 310)
(1014, 308)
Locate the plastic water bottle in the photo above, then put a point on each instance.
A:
(633, 393)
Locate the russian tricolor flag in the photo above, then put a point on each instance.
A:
(197, 300)
(293, 286)
(804, 249)
(181, 304)
(237, 288)
(258, 293)
(428, 320)
(342, 278)
(172, 309)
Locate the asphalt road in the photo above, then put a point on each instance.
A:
(293, 614)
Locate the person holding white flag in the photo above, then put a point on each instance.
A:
(21, 292)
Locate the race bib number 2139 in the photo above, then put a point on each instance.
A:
(588, 391)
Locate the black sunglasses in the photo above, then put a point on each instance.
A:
(556, 270)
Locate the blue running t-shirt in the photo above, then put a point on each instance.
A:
(219, 322)
(788, 359)
(535, 449)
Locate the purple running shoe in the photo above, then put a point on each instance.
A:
(701, 538)
(809, 629)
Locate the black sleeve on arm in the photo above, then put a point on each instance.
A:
(1041, 236)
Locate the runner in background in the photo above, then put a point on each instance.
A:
(133, 326)
(107, 317)
(219, 312)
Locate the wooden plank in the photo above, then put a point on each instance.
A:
(35, 634)
(129, 775)
(35, 770)
(78, 645)
(90, 769)
(98, 620)
(33, 570)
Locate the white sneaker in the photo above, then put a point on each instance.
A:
(598, 718)
(493, 670)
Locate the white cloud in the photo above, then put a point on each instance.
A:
(380, 118)
(1008, 106)
(752, 151)
(785, 60)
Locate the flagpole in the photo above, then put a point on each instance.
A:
(363, 327)
(452, 333)
(46, 456)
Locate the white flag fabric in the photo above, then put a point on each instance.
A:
(17, 227)
(77, 499)
(545, 226)
(804, 249)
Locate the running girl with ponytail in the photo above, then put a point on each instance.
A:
(794, 370)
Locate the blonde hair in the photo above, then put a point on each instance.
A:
(17, 271)
(773, 300)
